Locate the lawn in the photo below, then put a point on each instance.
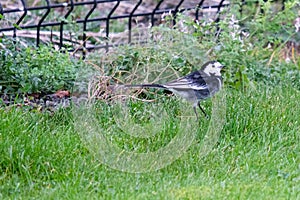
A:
(150, 146)
(256, 156)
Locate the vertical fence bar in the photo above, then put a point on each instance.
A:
(218, 20)
(84, 27)
(62, 24)
(176, 11)
(154, 12)
(107, 22)
(218, 10)
(40, 22)
(1, 9)
(21, 18)
(130, 20)
(241, 6)
(197, 9)
(283, 5)
(261, 9)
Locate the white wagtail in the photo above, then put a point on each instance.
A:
(195, 86)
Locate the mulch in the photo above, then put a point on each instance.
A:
(43, 103)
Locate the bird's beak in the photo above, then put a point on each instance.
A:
(222, 68)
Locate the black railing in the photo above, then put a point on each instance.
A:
(22, 20)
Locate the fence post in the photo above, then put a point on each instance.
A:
(62, 24)
(84, 27)
(40, 22)
(21, 18)
(107, 22)
(130, 19)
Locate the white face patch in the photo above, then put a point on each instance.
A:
(218, 65)
(213, 69)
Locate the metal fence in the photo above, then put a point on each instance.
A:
(93, 24)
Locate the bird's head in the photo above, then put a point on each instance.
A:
(212, 68)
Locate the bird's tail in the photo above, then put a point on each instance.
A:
(145, 86)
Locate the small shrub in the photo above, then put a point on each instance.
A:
(36, 70)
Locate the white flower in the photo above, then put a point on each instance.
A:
(297, 24)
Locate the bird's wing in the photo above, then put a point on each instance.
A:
(193, 81)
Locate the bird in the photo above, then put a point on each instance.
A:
(194, 87)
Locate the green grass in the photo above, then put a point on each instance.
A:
(256, 157)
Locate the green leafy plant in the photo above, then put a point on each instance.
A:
(36, 70)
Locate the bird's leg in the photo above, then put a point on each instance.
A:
(202, 109)
(195, 110)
